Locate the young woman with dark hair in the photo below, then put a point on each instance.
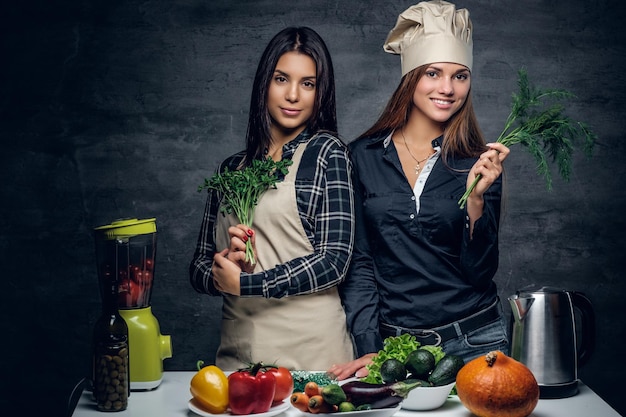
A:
(303, 229)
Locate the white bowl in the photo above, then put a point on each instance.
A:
(427, 398)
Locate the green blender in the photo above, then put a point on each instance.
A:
(128, 248)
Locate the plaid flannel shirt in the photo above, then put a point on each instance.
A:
(325, 202)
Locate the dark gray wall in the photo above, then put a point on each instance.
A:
(116, 109)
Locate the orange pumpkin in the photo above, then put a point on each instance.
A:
(495, 385)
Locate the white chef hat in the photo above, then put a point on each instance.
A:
(431, 31)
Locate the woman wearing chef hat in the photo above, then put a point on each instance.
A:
(422, 265)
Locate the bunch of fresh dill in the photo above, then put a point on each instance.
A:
(537, 122)
(241, 189)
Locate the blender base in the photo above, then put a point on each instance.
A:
(148, 348)
(145, 385)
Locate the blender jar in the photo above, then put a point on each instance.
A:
(127, 249)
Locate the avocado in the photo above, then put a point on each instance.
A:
(420, 363)
(445, 371)
(392, 370)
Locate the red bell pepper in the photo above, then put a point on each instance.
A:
(251, 391)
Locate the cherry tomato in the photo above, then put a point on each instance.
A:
(142, 277)
(284, 383)
(122, 275)
(129, 293)
(149, 265)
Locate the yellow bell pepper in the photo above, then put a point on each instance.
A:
(209, 386)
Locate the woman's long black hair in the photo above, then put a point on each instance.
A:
(292, 39)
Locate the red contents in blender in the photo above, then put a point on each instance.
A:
(134, 292)
(134, 261)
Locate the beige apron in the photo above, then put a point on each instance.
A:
(305, 332)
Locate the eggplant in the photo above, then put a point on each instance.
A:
(378, 395)
(387, 402)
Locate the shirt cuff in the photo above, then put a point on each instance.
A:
(368, 343)
(248, 286)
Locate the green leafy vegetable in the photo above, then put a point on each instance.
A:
(537, 122)
(396, 347)
(242, 188)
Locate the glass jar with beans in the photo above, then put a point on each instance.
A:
(111, 373)
(111, 385)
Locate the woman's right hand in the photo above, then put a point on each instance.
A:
(226, 273)
(239, 236)
(356, 368)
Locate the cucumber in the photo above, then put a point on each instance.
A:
(445, 371)
(333, 394)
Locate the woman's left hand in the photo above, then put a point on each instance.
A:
(226, 272)
(489, 167)
(239, 236)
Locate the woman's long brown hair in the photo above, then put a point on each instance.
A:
(462, 135)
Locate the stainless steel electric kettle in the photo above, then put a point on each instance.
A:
(553, 333)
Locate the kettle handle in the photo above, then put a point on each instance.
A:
(588, 326)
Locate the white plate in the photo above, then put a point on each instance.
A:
(277, 409)
(378, 412)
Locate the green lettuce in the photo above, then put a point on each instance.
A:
(397, 347)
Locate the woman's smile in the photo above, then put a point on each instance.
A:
(442, 103)
(441, 92)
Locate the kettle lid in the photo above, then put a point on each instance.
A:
(540, 289)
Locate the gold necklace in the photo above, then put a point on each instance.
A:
(418, 167)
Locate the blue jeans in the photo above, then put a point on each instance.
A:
(478, 342)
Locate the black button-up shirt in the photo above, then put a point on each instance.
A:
(414, 264)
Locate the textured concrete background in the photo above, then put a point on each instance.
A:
(117, 108)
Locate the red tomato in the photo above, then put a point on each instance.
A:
(129, 293)
(142, 277)
(284, 383)
(149, 265)
(122, 275)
